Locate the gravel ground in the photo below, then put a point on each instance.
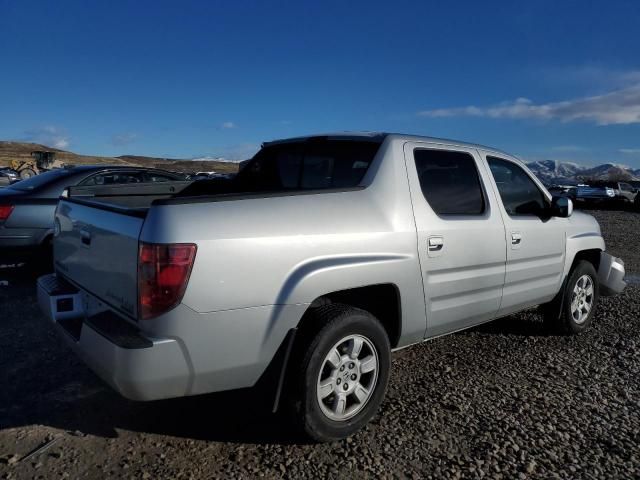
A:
(503, 400)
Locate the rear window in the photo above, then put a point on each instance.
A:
(34, 183)
(310, 165)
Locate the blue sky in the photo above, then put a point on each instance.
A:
(542, 79)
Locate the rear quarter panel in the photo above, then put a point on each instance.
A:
(289, 250)
(38, 213)
(32, 218)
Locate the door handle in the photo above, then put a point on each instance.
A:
(516, 238)
(436, 243)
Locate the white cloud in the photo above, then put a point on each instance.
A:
(228, 125)
(620, 107)
(630, 151)
(122, 139)
(61, 143)
(48, 135)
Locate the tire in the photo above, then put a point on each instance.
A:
(43, 260)
(574, 317)
(626, 204)
(334, 396)
(27, 173)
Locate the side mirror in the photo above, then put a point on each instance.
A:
(561, 207)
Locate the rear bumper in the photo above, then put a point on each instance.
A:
(19, 254)
(138, 367)
(611, 275)
(189, 353)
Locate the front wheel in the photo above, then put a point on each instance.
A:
(580, 299)
(27, 173)
(343, 375)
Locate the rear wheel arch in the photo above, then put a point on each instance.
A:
(383, 301)
(308, 401)
(47, 240)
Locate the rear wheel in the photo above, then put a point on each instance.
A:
(44, 257)
(343, 373)
(580, 298)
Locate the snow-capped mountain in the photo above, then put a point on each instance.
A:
(214, 159)
(553, 171)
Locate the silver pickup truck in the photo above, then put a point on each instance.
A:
(322, 256)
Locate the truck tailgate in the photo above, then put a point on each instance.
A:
(97, 249)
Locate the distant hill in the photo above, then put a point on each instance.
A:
(549, 171)
(553, 171)
(22, 151)
(182, 165)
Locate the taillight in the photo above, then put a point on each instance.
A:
(163, 274)
(5, 211)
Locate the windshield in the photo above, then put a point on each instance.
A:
(34, 183)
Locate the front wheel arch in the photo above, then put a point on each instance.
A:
(591, 255)
(557, 314)
(553, 308)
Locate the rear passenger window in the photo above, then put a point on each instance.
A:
(113, 178)
(450, 182)
(153, 177)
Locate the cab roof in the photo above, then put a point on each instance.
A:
(381, 136)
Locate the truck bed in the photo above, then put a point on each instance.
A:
(137, 197)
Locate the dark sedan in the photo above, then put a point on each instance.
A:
(27, 207)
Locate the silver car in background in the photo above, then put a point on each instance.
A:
(27, 207)
(8, 176)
